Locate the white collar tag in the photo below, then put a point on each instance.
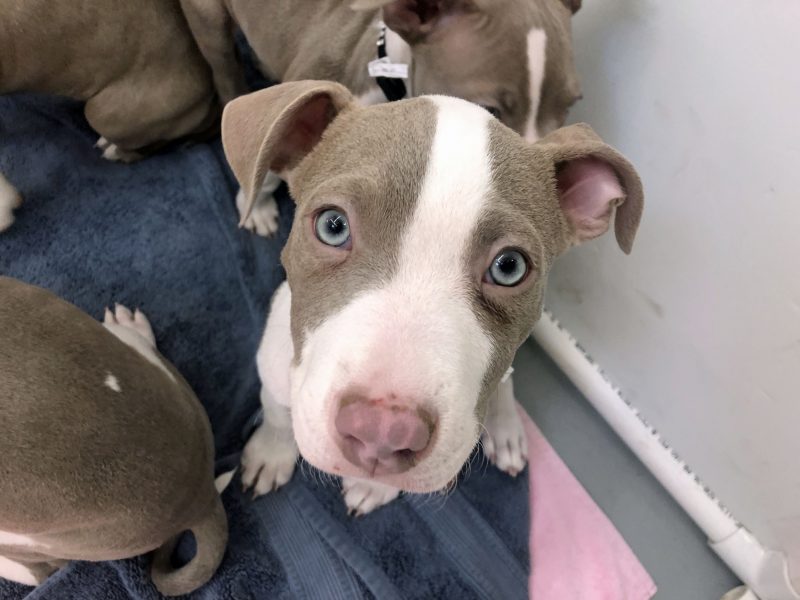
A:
(384, 67)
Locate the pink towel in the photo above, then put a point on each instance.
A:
(577, 554)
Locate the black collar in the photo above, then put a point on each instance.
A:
(392, 88)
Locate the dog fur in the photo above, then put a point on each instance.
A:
(107, 453)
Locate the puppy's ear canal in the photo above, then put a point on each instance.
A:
(592, 181)
(413, 20)
(275, 128)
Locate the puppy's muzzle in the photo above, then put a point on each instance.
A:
(380, 436)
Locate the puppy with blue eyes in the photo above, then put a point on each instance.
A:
(416, 267)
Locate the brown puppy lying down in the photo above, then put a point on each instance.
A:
(134, 63)
(106, 452)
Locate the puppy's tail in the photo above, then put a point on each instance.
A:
(211, 538)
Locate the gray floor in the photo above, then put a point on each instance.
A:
(667, 543)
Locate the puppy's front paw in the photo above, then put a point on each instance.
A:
(9, 201)
(263, 219)
(135, 321)
(505, 443)
(268, 460)
(114, 153)
(362, 496)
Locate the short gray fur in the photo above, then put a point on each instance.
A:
(672, 549)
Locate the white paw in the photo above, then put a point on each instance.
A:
(268, 460)
(9, 200)
(362, 496)
(505, 443)
(222, 481)
(263, 219)
(115, 154)
(135, 321)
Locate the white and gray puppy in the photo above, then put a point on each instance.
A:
(514, 57)
(416, 265)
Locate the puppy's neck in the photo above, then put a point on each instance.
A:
(397, 50)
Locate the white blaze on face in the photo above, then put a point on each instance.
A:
(537, 49)
(416, 337)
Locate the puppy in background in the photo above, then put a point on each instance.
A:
(416, 267)
(106, 451)
(134, 63)
(513, 57)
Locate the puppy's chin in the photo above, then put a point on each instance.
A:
(435, 472)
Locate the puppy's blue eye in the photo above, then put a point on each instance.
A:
(508, 268)
(332, 227)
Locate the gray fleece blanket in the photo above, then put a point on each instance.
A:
(161, 235)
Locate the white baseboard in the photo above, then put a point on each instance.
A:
(763, 570)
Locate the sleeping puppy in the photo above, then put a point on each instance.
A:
(513, 57)
(106, 451)
(416, 266)
(135, 64)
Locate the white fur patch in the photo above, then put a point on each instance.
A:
(537, 48)
(275, 354)
(8, 538)
(16, 572)
(9, 200)
(112, 382)
(416, 337)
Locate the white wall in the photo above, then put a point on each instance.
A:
(700, 326)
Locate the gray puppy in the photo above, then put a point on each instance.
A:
(106, 451)
(134, 63)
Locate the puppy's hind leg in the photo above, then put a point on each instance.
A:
(134, 329)
(179, 101)
(122, 319)
(9, 201)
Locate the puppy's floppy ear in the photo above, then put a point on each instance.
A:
(275, 128)
(592, 180)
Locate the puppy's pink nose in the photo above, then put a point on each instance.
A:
(382, 438)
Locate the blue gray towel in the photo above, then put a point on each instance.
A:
(161, 235)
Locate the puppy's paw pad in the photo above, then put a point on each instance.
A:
(263, 219)
(362, 497)
(268, 461)
(135, 321)
(505, 443)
